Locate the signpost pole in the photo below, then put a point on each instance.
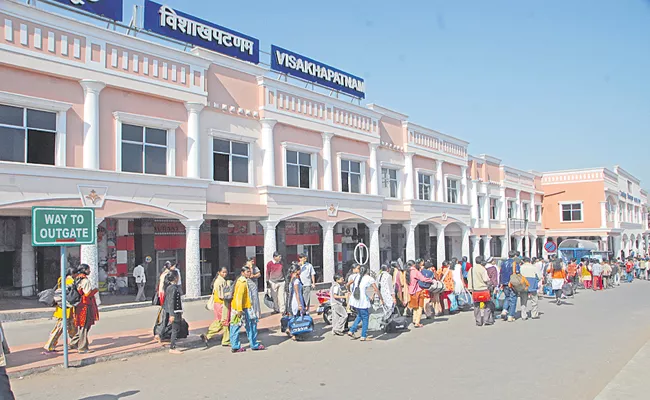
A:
(64, 308)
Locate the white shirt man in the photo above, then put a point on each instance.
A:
(140, 281)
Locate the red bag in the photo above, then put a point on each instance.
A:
(481, 296)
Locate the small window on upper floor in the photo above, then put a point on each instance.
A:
(389, 182)
(511, 209)
(629, 187)
(424, 187)
(144, 150)
(572, 212)
(480, 209)
(452, 190)
(493, 209)
(230, 161)
(298, 169)
(351, 176)
(538, 213)
(27, 135)
(525, 209)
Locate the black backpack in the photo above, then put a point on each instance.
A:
(72, 296)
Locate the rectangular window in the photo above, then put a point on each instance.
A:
(629, 187)
(480, 209)
(27, 135)
(538, 213)
(493, 209)
(298, 169)
(230, 161)
(525, 209)
(389, 182)
(350, 176)
(571, 212)
(452, 191)
(424, 187)
(511, 209)
(144, 150)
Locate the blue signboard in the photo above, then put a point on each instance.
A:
(290, 63)
(165, 21)
(623, 195)
(630, 197)
(111, 9)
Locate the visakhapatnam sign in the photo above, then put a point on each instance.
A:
(166, 21)
(111, 9)
(294, 64)
(61, 226)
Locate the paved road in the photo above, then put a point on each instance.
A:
(572, 353)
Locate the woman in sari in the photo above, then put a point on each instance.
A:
(586, 275)
(386, 288)
(444, 275)
(221, 307)
(298, 304)
(416, 302)
(57, 331)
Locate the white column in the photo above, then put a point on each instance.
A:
(487, 250)
(503, 203)
(475, 204)
(410, 240)
(91, 122)
(532, 212)
(617, 246)
(518, 208)
(268, 152)
(647, 244)
(192, 276)
(533, 246)
(475, 246)
(486, 206)
(270, 245)
(193, 139)
(463, 182)
(409, 177)
(327, 161)
(603, 239)
(504, 246)
(374, 247)
(89, 256)
(27, 261)
(603, 214)
(440, 248)
(465, 242)
(374, 169)
(519, 241)
(440, 187)
(328, 251)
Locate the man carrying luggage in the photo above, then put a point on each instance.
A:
(479, 285)
(531, 273)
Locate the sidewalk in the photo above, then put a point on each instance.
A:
(29, 359)
(631, 382)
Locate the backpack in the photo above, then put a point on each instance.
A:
(72, 296)
(228, 290)
(517, 283)
(557, 265)
(427, 274)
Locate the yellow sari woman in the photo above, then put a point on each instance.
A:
(57, 331)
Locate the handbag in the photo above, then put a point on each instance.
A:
(437, 287)
(499, 299)
(464, 299)
(301, 324)
(209, 305)
(453, 303)
(268, 299)
(482, 296)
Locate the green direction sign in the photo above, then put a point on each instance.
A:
(61, 226)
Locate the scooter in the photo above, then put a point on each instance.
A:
(325, 308)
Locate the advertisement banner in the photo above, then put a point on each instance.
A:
(294, 64)
(111, 9)
(165, 21)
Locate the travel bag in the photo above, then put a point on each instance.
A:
(301, 324)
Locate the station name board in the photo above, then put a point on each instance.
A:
(166, 21)
(111, 9)
(290, 63)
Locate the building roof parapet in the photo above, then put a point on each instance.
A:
(387, 112)
(619, 170)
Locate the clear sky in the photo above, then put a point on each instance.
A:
(541, 84)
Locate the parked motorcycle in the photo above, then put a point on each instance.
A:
(325, 308)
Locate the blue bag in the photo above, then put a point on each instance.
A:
(499, 300)
(465, 300)
(301, 324)
(453, 303)
(548, 291)
(427, 274)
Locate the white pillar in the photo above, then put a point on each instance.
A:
(503, 203)
(518, 208)
(532, 212)
(27, 261)
(374, 169)
(91, 122)
(440, 187)
(193, 139)
(327, 161)
(647, 244)
(487, 250)
(374, 247)
(533, 246)
(440, 248)
(475, 246)
(617, 247)
(192, 276)
(463, 182)
(603, 214)
(409, 177)
(270, 245)
(486, 206)
(475, 203)
(504, 246)
(410, 240)
(519, 242)
(465, 242)
(268, 150)
(328, 251)
(603, 239)
(88, 253)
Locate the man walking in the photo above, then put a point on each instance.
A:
(243, 314)
(510, 303)
(531, 273)
(140, 281)
(275, 282)
(479, 284)
(307, 277)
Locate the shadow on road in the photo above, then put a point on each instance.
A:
(112, 396)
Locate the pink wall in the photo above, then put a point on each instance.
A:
(423, 162)
(226, 86)
(524, 196)
(391, 131)
(340, 144)
(111, 100)
(452, 169)
(493, 172)
(48, 87)
(590, 193)
(511, 193)
(286, 133)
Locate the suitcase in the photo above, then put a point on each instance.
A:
(567, 289)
